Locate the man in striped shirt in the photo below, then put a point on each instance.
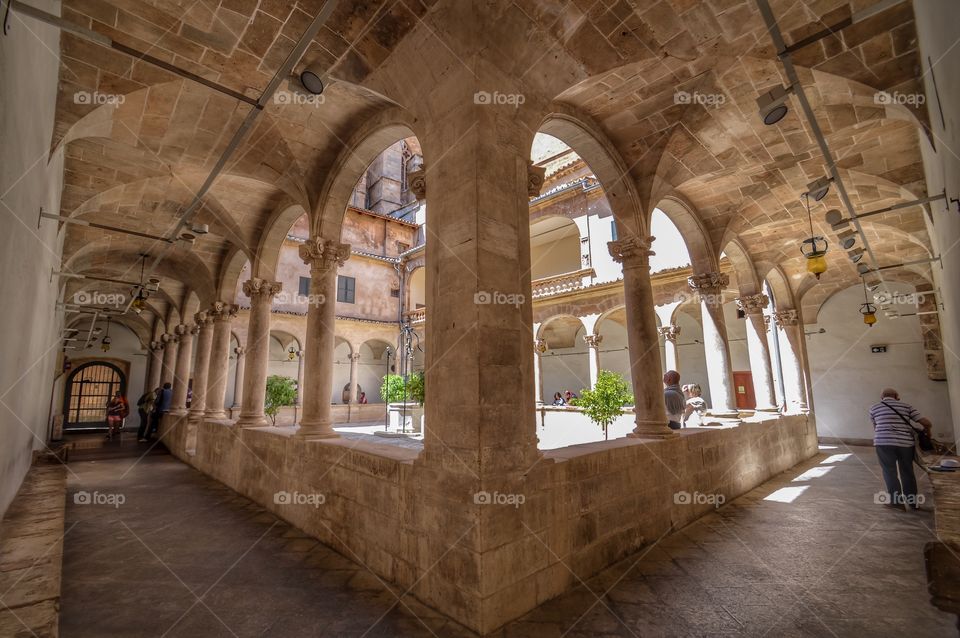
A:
(894, 423)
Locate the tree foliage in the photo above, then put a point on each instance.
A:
(391, 390)
(281, 391)
(604, 403)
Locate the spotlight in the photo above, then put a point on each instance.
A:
(819, 188)
(873, 285)
(311, 81)
(200, 229)
(835, 219)
(855, 255)
(848, 238)
(772, 105)
(863, 269)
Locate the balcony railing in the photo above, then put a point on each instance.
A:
(416, 316)
(559, 284)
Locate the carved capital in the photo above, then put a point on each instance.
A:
(535, 178)
(222, 311)
(753, 304)
(540, 345)
(240, 351)
(710, 283)
(156, 346)
(170, 338)
(593, 341)
(257, 286)
(181, 330)
(631, 251)
(670, 332)
(323, 254)
(784, 318)
(417, 183)
(202, 318)
(354, 356)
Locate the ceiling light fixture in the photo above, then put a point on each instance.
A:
(311, 81)
(818, 188)
(867, 309)
(814, 247)
(772, 105)
(140, 301)
(106, 341)
(848, 238)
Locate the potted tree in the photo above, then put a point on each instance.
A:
(281, 392)
(604, 403)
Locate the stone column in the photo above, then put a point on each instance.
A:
(156, 365)
(643, 343)
(709, 287)
(261, 293)
(238, 369)
(354, 375)
(593, 347)
(181, 381)
(299, 378)
(323, 256)
(201, 368)
(539, 347)
(169, 358)
(670, 335)
(222, 314)
(788, 322)
(759, 350)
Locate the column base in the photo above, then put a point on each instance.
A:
(315, 431)
(215, 414)
(771, 408)
(650, 430)
(251, 422)
(178, 412)
(724, 414)
(196, 415)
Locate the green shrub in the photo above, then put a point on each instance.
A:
(281, 391)
(604, 403)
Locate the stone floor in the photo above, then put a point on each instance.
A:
(807, 554)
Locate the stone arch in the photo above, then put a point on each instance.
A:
(278, 227)
(703, 257)
(746, 273)
(783, 297)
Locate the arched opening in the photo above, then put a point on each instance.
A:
(613, 352)
(565, 365)
(417, 289)
(554, 248)
(373, 365)
(89, 387)
(284, 357)
(341, 371)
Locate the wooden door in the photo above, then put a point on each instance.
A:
(743, 389)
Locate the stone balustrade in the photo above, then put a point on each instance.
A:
(559, 284)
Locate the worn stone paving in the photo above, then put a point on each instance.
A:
(808, 553)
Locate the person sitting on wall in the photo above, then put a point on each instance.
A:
(558, 399)
(695, 408)
(673, 399)
(363, 398)
(569, 396)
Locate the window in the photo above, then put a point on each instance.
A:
(304, 286)
(346, 289)
(613, 230)
(395, 292)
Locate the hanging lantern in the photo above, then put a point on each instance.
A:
(139, 303)
(291, 353)
(867, 309)
(814, 248)
(105, 344)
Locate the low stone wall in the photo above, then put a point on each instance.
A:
(583, 507)
(340, 413)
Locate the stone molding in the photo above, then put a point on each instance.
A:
(631, 251)
(417, 183)
(257, 286)
(322, 254)
(535, 179)
(753, 304)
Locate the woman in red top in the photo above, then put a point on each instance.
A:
(117, 411)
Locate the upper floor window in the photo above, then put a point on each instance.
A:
(613, 230)
(346, 289)
(304, 287)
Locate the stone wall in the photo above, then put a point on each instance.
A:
(415, 524)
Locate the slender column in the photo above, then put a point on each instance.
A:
(759, 350)
(299, 378)
(670, 334)
(593, 346)
(169, 358)
(222, 313)
(156, 365)
(238, 380)
(719, 370)
(643, 343)
(789, 323)
(261, 293)
(354, 374)
(323, 256)
(201, 369)
(539, 347)
(181, 381)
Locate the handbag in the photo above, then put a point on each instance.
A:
(922, 438)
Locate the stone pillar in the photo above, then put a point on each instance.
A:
(670, 335)
(222, 314)
(354, 375)
(643, 341)
(169, 359)
(261, 293)
(299, 378)
(156, 365)
(788, 322)
(539, 347)
(323, 256)
(759, 350)
(238, 369)
(709, 287)
(593, 347)
(201, 368)
(181, 381)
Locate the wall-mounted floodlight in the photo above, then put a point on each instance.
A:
(848, 238)
(772, 105)
(855, 255)
(818, 188)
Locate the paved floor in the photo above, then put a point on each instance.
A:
(807, 554)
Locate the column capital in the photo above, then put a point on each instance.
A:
(240, 351)
(784, 318)
(256, 286)
(322, 254)
(169, 338)
(223, 311)
(669, 332)
(535, 178)
(753, 304)
(182, 329)
(354, 356)
(202, 319)
(157, 346)
(631, 251)
(593, 341)
(710, 283)
(540, 345)
(417, 183)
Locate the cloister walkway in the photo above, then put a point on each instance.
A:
(808, 553)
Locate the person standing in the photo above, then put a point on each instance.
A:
(117, 411)
(145, 411)
(160, 407)
(673, 398)
(894, 426)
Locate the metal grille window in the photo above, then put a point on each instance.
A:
(346, 289)
(89, 388)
